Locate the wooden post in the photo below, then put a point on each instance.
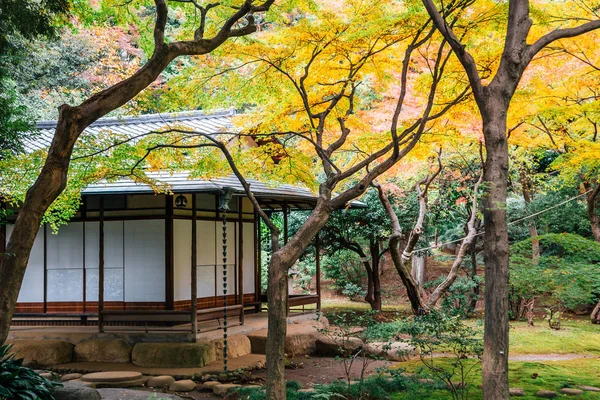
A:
(257, 263)
(240, 261)
(318, 269)
(169, 257)
(194, 293)
(285, 222)
(45, 268)
(101, 265)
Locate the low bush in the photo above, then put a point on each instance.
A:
(21, 383)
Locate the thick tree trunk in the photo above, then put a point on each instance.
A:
(496, 325)
(277, 295)
(281, 261)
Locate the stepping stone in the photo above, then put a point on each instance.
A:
(47, 375)
(546, 394)
(70, 377)
(160, 381)
(589, 388)
(516, 392)
(210, 385)
(571, 391)
(120, 385)
(308, 390)
(186, 385)
(75, 392)
(112, 376)
(79, 382)
(128, 394)
(221, 390)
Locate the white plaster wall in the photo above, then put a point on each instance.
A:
(32, 290)
(206, 247)
(182, 247)
(144, 252)
(248, 257)
(64, 262)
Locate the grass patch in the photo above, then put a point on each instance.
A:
(575, 336)
(549, 375)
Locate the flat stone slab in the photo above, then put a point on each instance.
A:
(112, 376)
(516, 392)
(70, 377)
(120, 385)
(103, 350)
(237, 346)
(42, 353)
(589, 388)
(186, 385)
(300, 340)
(210, 385)
(160, 381)
(396, 351)
(75, 392)
(571, 391)
(222, 390)
(546, 394)
(128, 394)
(173, 355)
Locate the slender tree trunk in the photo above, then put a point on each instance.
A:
(593, 215)
(595, 317)
(374, 250)
(496, 323)
(370, 296)
(477, 286)
(465, 245)
(527, 196)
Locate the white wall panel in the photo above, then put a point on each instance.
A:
(182, 247)
(65, 263)
(248, 257)
(32, 290)
(231, 258)
(145, 260)
(113, 260)
(206, 258)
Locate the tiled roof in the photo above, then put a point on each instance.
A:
(215, 122)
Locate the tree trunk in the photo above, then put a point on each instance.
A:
(496, 325)
(419, 269)
(527, 196)
(277, 300)
(595, 317)
(593, 215)
(374, 250)
(465, 245)
(477, 286)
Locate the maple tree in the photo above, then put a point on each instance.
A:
(203, 36)
(493, 97)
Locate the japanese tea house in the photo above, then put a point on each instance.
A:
(126, 258)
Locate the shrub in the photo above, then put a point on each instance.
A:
(21, 383)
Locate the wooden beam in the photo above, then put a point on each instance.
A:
(257, 262)
(169, 256)
(194, 283)
(101, 265)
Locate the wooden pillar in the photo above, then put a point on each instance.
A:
(257, 262)
(45, 228)
(240, 260)
(169, 258)
(101, 265)
(194, 292)
(318, 269)
(285, 222)
(83, 218)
